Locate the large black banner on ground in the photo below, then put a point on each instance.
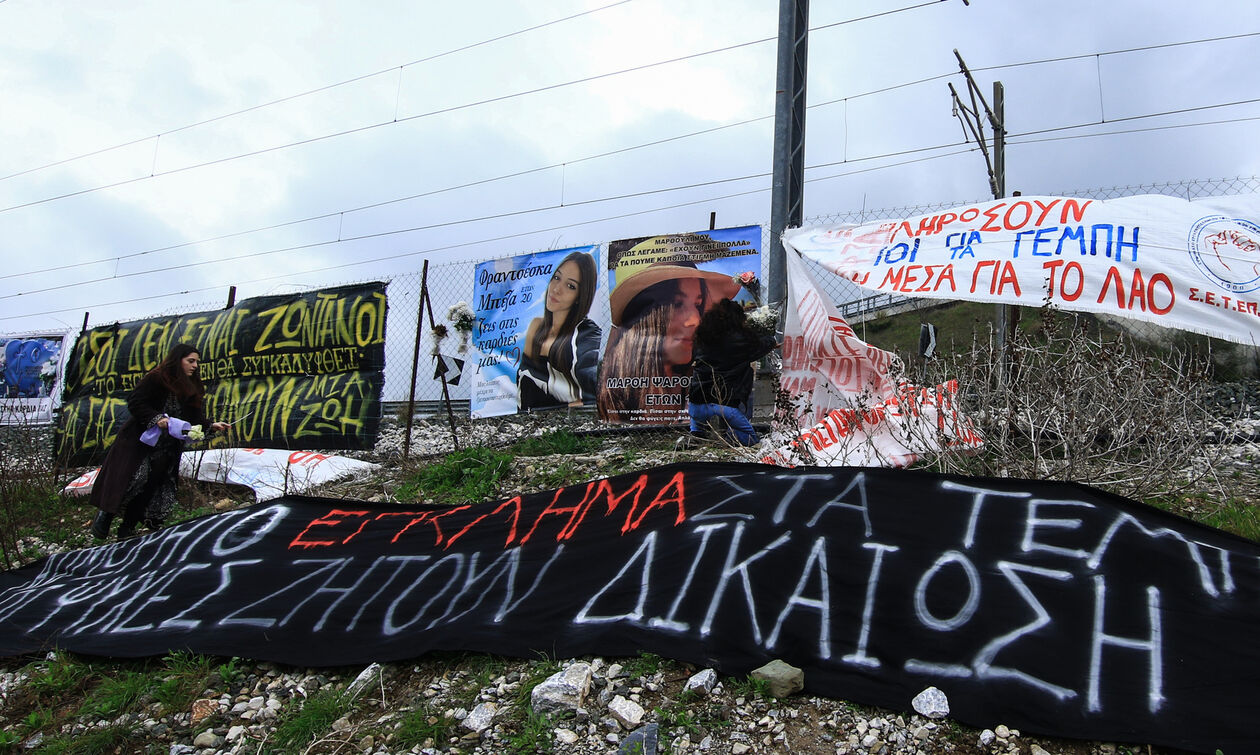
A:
(296, 371)
(1052, 607)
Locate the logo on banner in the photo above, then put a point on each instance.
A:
(1227, 251)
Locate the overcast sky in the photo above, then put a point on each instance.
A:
(157, 152)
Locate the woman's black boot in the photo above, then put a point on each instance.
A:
(100, 524)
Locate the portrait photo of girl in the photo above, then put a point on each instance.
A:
(560, 354)
(655, 307)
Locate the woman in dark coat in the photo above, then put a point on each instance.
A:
(722, 381)
(138, 478)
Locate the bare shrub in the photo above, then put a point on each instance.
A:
(29, 497)
(1072, 401)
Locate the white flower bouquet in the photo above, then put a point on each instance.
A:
(462, 317)
(764, 320)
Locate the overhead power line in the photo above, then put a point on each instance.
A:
(317, 90)
(433, 226)
(288, 275)
(656, 142)
(395, 120)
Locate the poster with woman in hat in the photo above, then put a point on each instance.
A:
(659, 287)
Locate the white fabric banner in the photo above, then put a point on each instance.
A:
(1176, 263)
(852, 408)
(271, 472)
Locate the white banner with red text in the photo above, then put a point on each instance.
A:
(271, 472)
(851, 407)
(1192, 265)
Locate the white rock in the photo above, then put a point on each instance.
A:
(701, 683)
(563, 691)
(627, 712)
(207, 738)
(367, 678)
(566, 736)
(932, 703)
(986, 737)
(481, 717)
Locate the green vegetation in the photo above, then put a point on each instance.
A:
(533, 734)
(750, 687)
(470, 476)
(299, 727)
(118, 693)
(92, 742)
(183, 680)
(65, 674)
(419, 726)
(560, 441)
(30, 502)
(643, 665)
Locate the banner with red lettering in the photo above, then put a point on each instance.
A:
(850, 404)
(1051, 607)
(270, 472)
(1193, 265)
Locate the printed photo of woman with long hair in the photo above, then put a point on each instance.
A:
(656, 305)
(560, 354)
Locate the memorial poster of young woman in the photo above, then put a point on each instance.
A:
(660, 287)
(537, 347)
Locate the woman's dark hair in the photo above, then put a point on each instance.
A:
(561, 353)
(187, 388)
(719, 323)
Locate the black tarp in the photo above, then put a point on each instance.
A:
(1051, 607)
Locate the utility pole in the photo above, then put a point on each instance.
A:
(788, 192)
(973, 120)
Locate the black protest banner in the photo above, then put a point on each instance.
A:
(1052, 607)
(296, 371)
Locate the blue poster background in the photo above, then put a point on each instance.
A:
(507, 294)
(30, 377)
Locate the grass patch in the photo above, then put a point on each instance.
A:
(532, 734)
(93, 742)
(424, 727)
(561, 475)
(186, 675)
(118, 693)
(560, 441)
(470, 476)
(1234, 516)
(643, 665)
(298, 729)
(64, 675)
(750, 687)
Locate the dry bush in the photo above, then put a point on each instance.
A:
(29, 489)
(1072, 401)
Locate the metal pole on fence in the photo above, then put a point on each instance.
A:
(446, 395)
(788, 177)
(415, 359)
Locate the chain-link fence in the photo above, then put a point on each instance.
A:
(411, 383)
